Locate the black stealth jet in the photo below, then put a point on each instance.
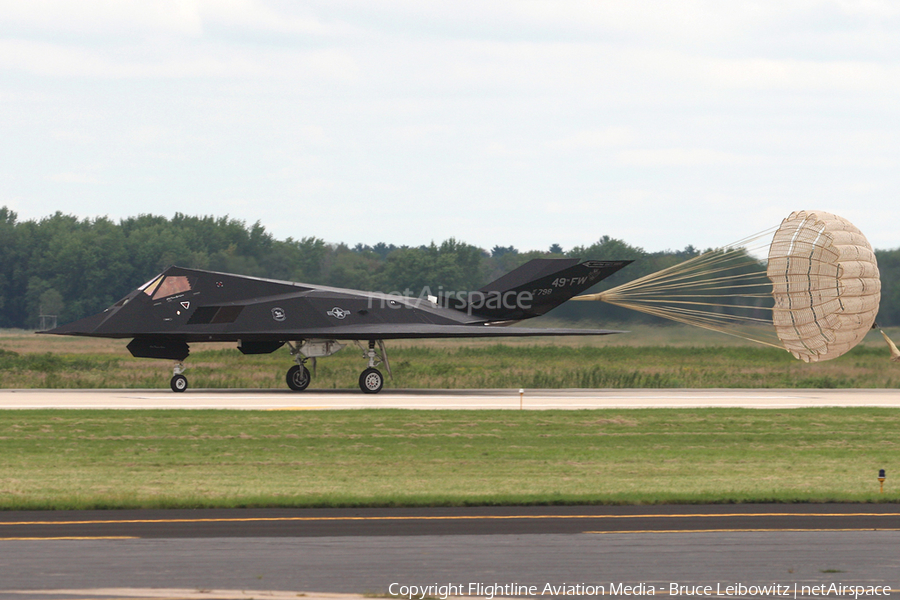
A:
(182, 306)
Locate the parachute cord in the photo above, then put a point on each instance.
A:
(695, 292)
(703, 323)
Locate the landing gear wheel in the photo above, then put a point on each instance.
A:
(178, 383)
(371, 381)
(298, 378)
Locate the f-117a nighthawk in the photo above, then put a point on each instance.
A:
(182, 306)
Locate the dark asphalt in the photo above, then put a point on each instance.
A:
(264, 523)
(369, 550)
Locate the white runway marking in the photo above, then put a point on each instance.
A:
(571, 399)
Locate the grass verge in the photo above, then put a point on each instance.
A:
(165, 459)
(454, 365)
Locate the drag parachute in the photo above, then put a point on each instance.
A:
(815, 294)
(825, 284)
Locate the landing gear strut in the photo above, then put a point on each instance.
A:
(298, 376)
(179, 382)
(371, 380)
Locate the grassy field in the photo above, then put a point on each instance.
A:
(115, 459)
(676, 357)
(110, 459)
(119, 459)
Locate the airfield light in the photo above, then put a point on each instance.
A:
(521, 397)
(881, 479)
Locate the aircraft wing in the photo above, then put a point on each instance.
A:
(425, 330)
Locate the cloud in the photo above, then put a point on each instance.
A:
(609, 137)
(676, 157)
(102, 17)
(75, 177)
(434, 111)
(173, 60)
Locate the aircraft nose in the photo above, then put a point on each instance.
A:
(85, 326)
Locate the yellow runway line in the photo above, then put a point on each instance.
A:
(738, 530)
(181, 594)
(445, 518)
(69, 537)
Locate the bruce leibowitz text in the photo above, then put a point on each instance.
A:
(491, 590)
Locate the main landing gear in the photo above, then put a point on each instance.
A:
(298, 378)
(371, 381)
(179, 382)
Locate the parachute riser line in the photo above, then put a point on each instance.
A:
(703, 324)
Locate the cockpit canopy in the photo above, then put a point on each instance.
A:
(163, 286)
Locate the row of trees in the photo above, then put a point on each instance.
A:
(73, 267)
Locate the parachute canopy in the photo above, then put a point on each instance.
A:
(816, 295)
(825, 284)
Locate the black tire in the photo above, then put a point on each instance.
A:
(371, 381)
(178, 383)
(298, 378)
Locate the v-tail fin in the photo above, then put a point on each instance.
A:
(535, 288)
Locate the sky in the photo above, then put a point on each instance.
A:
(515, 123)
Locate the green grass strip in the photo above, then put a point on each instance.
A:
(465, 367)
(54, 459)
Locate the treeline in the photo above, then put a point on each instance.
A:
(69, 267)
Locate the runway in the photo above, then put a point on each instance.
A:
(333, 553)
(359, 551)
(482, 520)
(508, 399)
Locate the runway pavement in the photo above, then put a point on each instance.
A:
(445, 399)
(323, 553)
(135, 553)
(482, 520)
